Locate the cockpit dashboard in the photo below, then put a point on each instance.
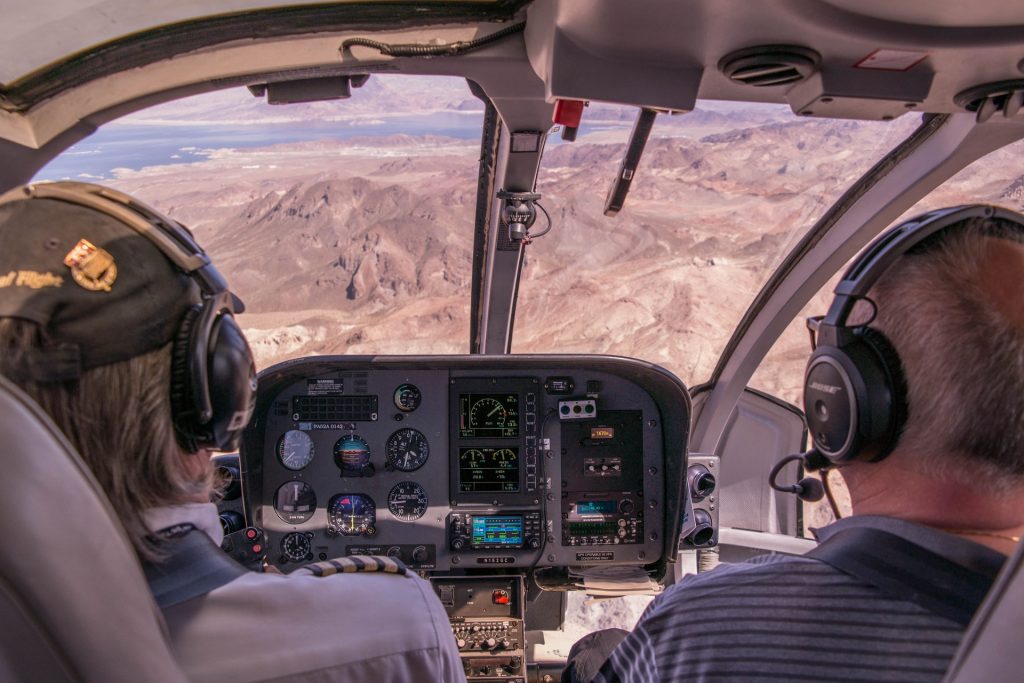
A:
(455, 463)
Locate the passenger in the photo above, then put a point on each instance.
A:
(91, 320)
(953, 486)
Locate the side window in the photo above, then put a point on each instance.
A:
(997, 178)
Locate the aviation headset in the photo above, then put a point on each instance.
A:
(213, 377)
(855, 394)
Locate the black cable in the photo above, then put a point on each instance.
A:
(547, 216)
(418, 50)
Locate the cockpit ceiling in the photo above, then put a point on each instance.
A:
(58, 44)
(63, 62)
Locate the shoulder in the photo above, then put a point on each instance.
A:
(767, 578)
(334, 626)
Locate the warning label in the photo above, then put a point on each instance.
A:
(595, 556)
(325, 387)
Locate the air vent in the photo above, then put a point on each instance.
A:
(1006, 97)
(769, 65)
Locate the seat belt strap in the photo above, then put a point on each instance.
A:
(192, 566)
(907, 571)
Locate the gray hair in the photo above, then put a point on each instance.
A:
(962, 355)
(118, 417)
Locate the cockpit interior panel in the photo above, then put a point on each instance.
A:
(468, 462)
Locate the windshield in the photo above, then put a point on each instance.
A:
(721, 195)
(346, 226)
(994, 179)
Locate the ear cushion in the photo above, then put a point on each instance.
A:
(183, 409)
(855, 398)
(232, 378)
(892, 366)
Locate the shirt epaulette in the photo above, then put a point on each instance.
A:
(353, 564)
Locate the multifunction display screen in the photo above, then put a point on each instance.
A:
(483, 470)
(483, 416)
(504, 531)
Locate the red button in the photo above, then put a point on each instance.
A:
(257, 549)
(500, 597)
(250, 534)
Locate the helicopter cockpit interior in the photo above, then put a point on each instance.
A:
(524, 418)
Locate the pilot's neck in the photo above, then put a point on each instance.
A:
(893, 489)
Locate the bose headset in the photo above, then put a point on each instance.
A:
(855, 394)
(213, 376)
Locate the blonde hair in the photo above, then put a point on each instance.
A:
(962, 356)
(118, 417)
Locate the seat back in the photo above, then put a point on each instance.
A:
(74, 605)
(991, 647)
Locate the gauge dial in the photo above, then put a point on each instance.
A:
(407, 450)
(351, 454)
(407, 501)
(352, 514)
(471, 458)
(504, 455)
(487, 413)
(295, 502)
(296, 547)
(407, 397)
(295, 449)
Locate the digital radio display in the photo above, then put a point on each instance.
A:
(483, 416)
(595, 507)
(483, 470)
(496, 531)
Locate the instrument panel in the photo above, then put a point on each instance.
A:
(467, 462)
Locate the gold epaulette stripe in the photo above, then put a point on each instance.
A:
(354, 564)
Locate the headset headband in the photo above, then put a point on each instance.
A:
(865, 271)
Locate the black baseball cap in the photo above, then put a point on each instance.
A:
(101, 291)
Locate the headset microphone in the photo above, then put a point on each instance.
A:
(808, 489)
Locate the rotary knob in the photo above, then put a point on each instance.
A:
(488, 644)
(458, 544)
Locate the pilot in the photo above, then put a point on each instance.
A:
(937, 504)
(113, 320)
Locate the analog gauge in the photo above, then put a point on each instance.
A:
(407, 501)
(351, 454)
(487, 413)
(295, 502)
(504, 455)
(352, 514)
(407, 450)
(296, 547)
(295, 449)
(407, 397)
(471, 457)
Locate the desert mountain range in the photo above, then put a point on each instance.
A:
(364, 245)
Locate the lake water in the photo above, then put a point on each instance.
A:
(135, 146)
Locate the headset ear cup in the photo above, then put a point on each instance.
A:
(183, 410)
(232, 380)
(892, 366)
